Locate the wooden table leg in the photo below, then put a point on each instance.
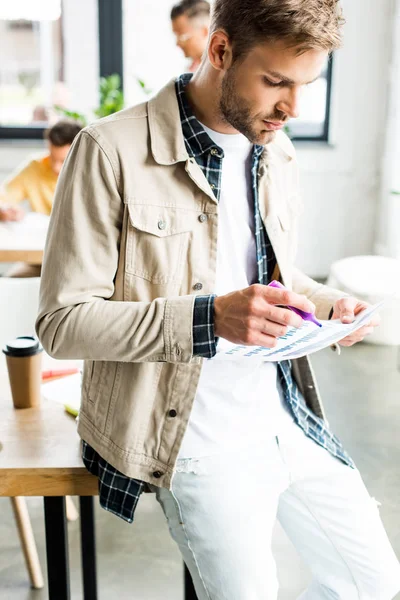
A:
(190, 593)
(88, 545)
(57, 548)
(27, 541)
(72, 513)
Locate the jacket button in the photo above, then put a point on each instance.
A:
(212, 186)
(161, 224)
(198, 286)
(172, 413)
(203, 218)
(157, 474)
(214, 152)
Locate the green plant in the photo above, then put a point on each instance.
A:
(71, 114)
(111, 96)
(143, 86)
(111, 101)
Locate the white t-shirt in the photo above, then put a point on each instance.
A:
(237, 402)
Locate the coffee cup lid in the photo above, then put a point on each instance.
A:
(26, 345)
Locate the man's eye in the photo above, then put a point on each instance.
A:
(272, 83)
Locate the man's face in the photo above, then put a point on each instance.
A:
(58, 154)
(259, 94)
(191, 36)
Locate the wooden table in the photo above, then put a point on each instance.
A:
(40, 456)
(24, 241)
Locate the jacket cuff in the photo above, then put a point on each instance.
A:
(204, 340)
(178, 329)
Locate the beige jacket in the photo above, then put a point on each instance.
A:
(124, 250)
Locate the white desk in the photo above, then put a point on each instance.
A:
(24, 241)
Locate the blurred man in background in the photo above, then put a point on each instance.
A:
(36, 180)
(190, 23)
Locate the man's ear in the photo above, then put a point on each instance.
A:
(220, 50)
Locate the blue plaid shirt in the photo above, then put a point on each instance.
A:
(119, 494)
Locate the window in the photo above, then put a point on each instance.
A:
(313, 123)
(45, 64)
(53, 51)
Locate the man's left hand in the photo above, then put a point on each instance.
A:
(346, 309)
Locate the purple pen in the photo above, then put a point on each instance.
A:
(304, 315)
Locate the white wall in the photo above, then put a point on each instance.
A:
(340, 182)
(388, 240)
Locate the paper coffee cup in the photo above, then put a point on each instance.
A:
(24, 363)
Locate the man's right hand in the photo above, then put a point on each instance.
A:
(255, 317)
(11, 213)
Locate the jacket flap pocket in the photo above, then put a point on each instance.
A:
(160, 221)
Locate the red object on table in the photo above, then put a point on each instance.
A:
(56, 373)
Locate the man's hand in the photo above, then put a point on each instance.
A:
(346, 309)
(11, 213)
(255, 317)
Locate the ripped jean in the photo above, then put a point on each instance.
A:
(221, 512)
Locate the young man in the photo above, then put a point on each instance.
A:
(36, 181)
(170, 243)
(190, 23)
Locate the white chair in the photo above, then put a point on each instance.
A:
(373, 279)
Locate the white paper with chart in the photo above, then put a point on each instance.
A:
(297, 342)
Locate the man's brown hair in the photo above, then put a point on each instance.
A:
(304, 24)
(63, 132)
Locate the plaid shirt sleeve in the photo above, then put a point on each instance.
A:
(204, 340)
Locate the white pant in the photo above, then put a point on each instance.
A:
(221, 512)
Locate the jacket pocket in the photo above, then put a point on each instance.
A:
(157, 242)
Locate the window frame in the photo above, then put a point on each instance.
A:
(324, 137)
(110, 55)
(110, 28)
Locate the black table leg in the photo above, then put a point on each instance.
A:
(190, 593)
(88, 545)
(57, 548)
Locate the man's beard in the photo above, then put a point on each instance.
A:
(236, 112)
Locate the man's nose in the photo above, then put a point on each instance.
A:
(290, 103)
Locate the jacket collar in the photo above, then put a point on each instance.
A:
(167, 139)
(167, 142)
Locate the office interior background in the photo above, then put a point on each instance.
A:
(53, 54)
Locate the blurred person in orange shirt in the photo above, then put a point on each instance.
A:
(190, 24)
(36, 180)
